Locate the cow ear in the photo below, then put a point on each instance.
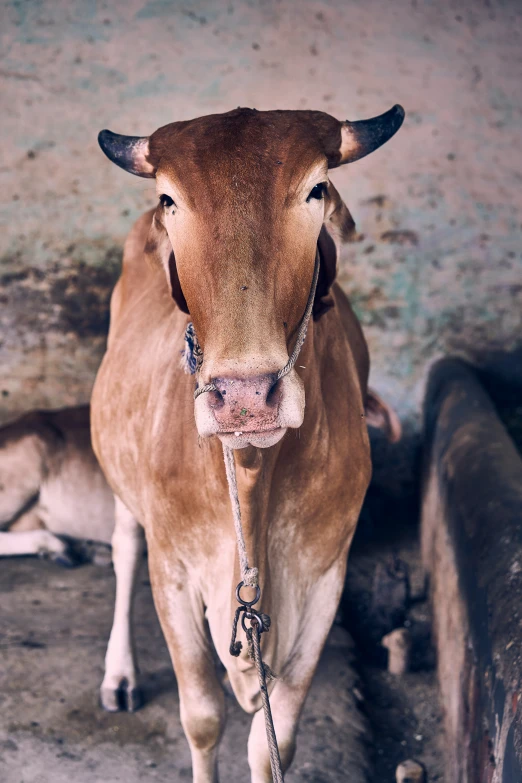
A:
(338, 227)
(159, 252)
(327, 270)
(338, 218)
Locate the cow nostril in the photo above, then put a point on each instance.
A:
(216, 399)
(274, 394)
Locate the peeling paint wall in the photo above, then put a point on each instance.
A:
(438, 267)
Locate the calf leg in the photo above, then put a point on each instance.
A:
(202, 703)
(291, 687)
(28, 536)
(119, 687)
(31, 520)
(31, 542)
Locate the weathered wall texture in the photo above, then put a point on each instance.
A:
(439, 267)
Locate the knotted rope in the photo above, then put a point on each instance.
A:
(193, 358)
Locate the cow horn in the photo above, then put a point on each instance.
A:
(128, 152)
(364, 136)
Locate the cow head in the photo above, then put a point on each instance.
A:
(245, 204)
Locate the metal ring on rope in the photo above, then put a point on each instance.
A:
(242, 600)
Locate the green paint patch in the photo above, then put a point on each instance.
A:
(243, 412)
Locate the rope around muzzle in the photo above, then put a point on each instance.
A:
(301, 335)
(259, 622)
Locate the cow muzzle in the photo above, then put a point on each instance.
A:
(251, 410)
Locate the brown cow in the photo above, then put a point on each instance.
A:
(244, 205)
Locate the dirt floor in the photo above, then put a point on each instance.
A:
(359, 721)
(55, 626)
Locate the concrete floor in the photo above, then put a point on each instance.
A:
(53, 634)
(440, 264)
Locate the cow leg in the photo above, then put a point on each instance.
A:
(288, 695)
(119, 689)
(202, 700)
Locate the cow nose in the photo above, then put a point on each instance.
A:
(246, 404)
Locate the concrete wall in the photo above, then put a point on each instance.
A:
(439, 267)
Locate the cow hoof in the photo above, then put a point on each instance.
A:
(121, 699)
(102, 557)
(64, 559)
(57, 550)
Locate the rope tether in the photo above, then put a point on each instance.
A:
(249, 576)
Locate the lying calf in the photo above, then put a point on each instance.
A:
(51, 485)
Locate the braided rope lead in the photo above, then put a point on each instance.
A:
(301, 335)
(248, 575)
(273, 749)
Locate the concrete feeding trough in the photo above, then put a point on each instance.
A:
(472, 551)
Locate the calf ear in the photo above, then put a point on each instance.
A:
(382, 416)
(159, 252)
(338, 227)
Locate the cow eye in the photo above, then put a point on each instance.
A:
(166, 201)
(317, 192)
